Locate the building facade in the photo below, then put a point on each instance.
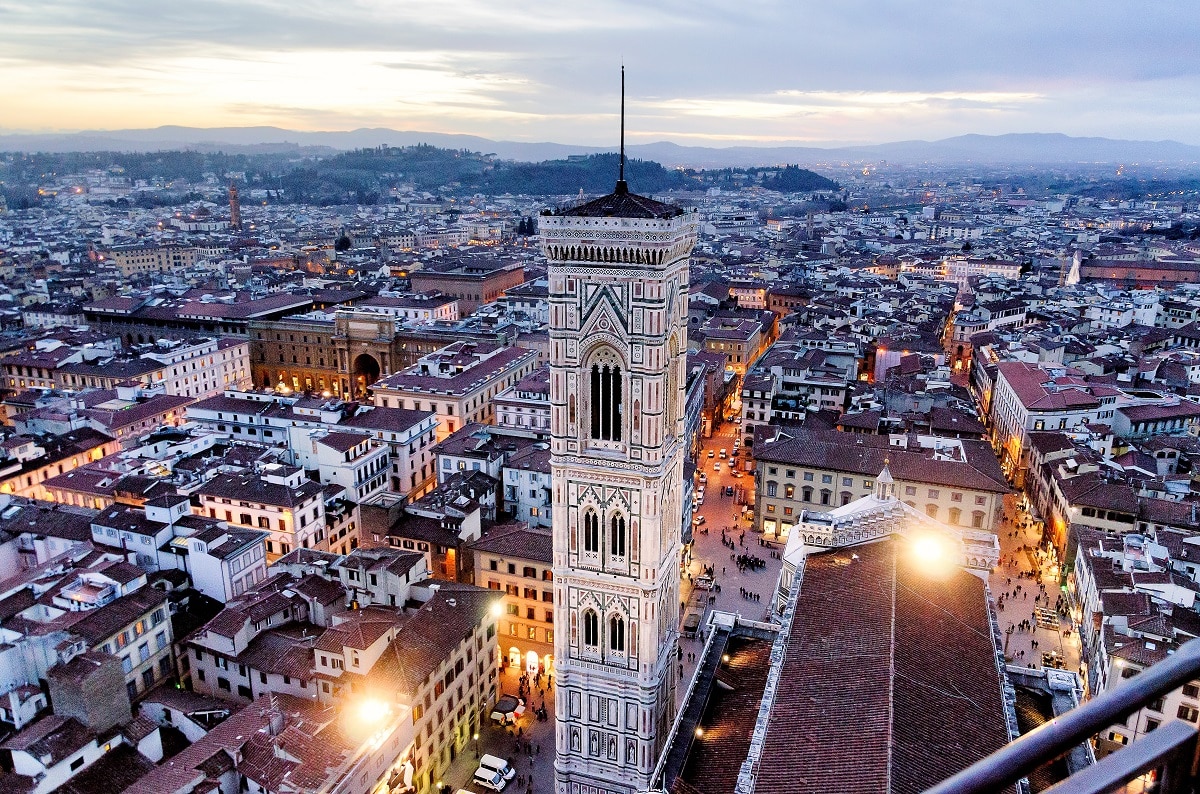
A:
(458, 383)
(618, 272)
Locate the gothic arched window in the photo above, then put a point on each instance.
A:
(591, 628)
(591, 532)
(606, 401)
(616, 538)
(616, 634)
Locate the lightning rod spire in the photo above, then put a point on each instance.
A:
(622, 186)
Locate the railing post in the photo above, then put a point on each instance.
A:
(1179, 773)
(1016, 760)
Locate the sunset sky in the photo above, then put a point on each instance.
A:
(717, 73)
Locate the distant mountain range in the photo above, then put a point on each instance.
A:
(1016, 148)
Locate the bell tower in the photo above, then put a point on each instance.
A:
(235, 208)
(618, 273)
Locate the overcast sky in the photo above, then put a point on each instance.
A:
(699, 71)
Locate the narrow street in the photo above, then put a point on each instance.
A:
(1031, 606)
(745, 590)
(528, 745)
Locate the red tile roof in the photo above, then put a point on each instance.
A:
(890, 682)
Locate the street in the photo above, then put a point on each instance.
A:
(528, 745)
(746, 589)
(1026, 588)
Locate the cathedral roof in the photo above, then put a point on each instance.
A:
(889, 681)
(622, 204)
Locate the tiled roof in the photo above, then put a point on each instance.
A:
(1039, 391)
(519, 541)
(393, 420)
(100, 624)
(715, 759)
(431, 634)
(623, 204)
(115, 770)
(864, 454)
(1184, 409)
(890, 681)
(251, 487)
(54, 736)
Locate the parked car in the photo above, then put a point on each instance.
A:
(729, 490)
(712, 454)
(717, 467)
(698, 520)
(724, 453)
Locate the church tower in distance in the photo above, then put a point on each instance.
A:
(235, 208)
(618, 272)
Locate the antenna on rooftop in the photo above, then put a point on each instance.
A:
(622, 186)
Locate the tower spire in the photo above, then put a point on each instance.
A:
(622, 186)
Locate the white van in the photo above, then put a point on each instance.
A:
(494, 772)
(490, 780)
(724, 454)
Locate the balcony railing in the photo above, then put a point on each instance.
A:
(1169, 751)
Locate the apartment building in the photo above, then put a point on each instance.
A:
(136, 628)
(796, 375)
(354, 461)
(517, 560)
(526, 481)
(435, 663)
(193, 368)
(458, 383)
(1132, 612)
(739, 339)
(275, 498)
(25, 473)
(267, 417)
(418, 307)
(1027, 398)
(138, 260)
(956, 481)
(471, 284)
(526, 404)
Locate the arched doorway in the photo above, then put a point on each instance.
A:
(514, 657)
(531, 662)
(366, 372)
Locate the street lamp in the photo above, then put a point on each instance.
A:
(476, 745)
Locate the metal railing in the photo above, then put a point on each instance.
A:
(1171, 750)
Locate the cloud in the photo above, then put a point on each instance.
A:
(862, 70)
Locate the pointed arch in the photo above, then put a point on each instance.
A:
(606, 392)
(616, 535)
(591, 532)
(616, 634)
(591, 628)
